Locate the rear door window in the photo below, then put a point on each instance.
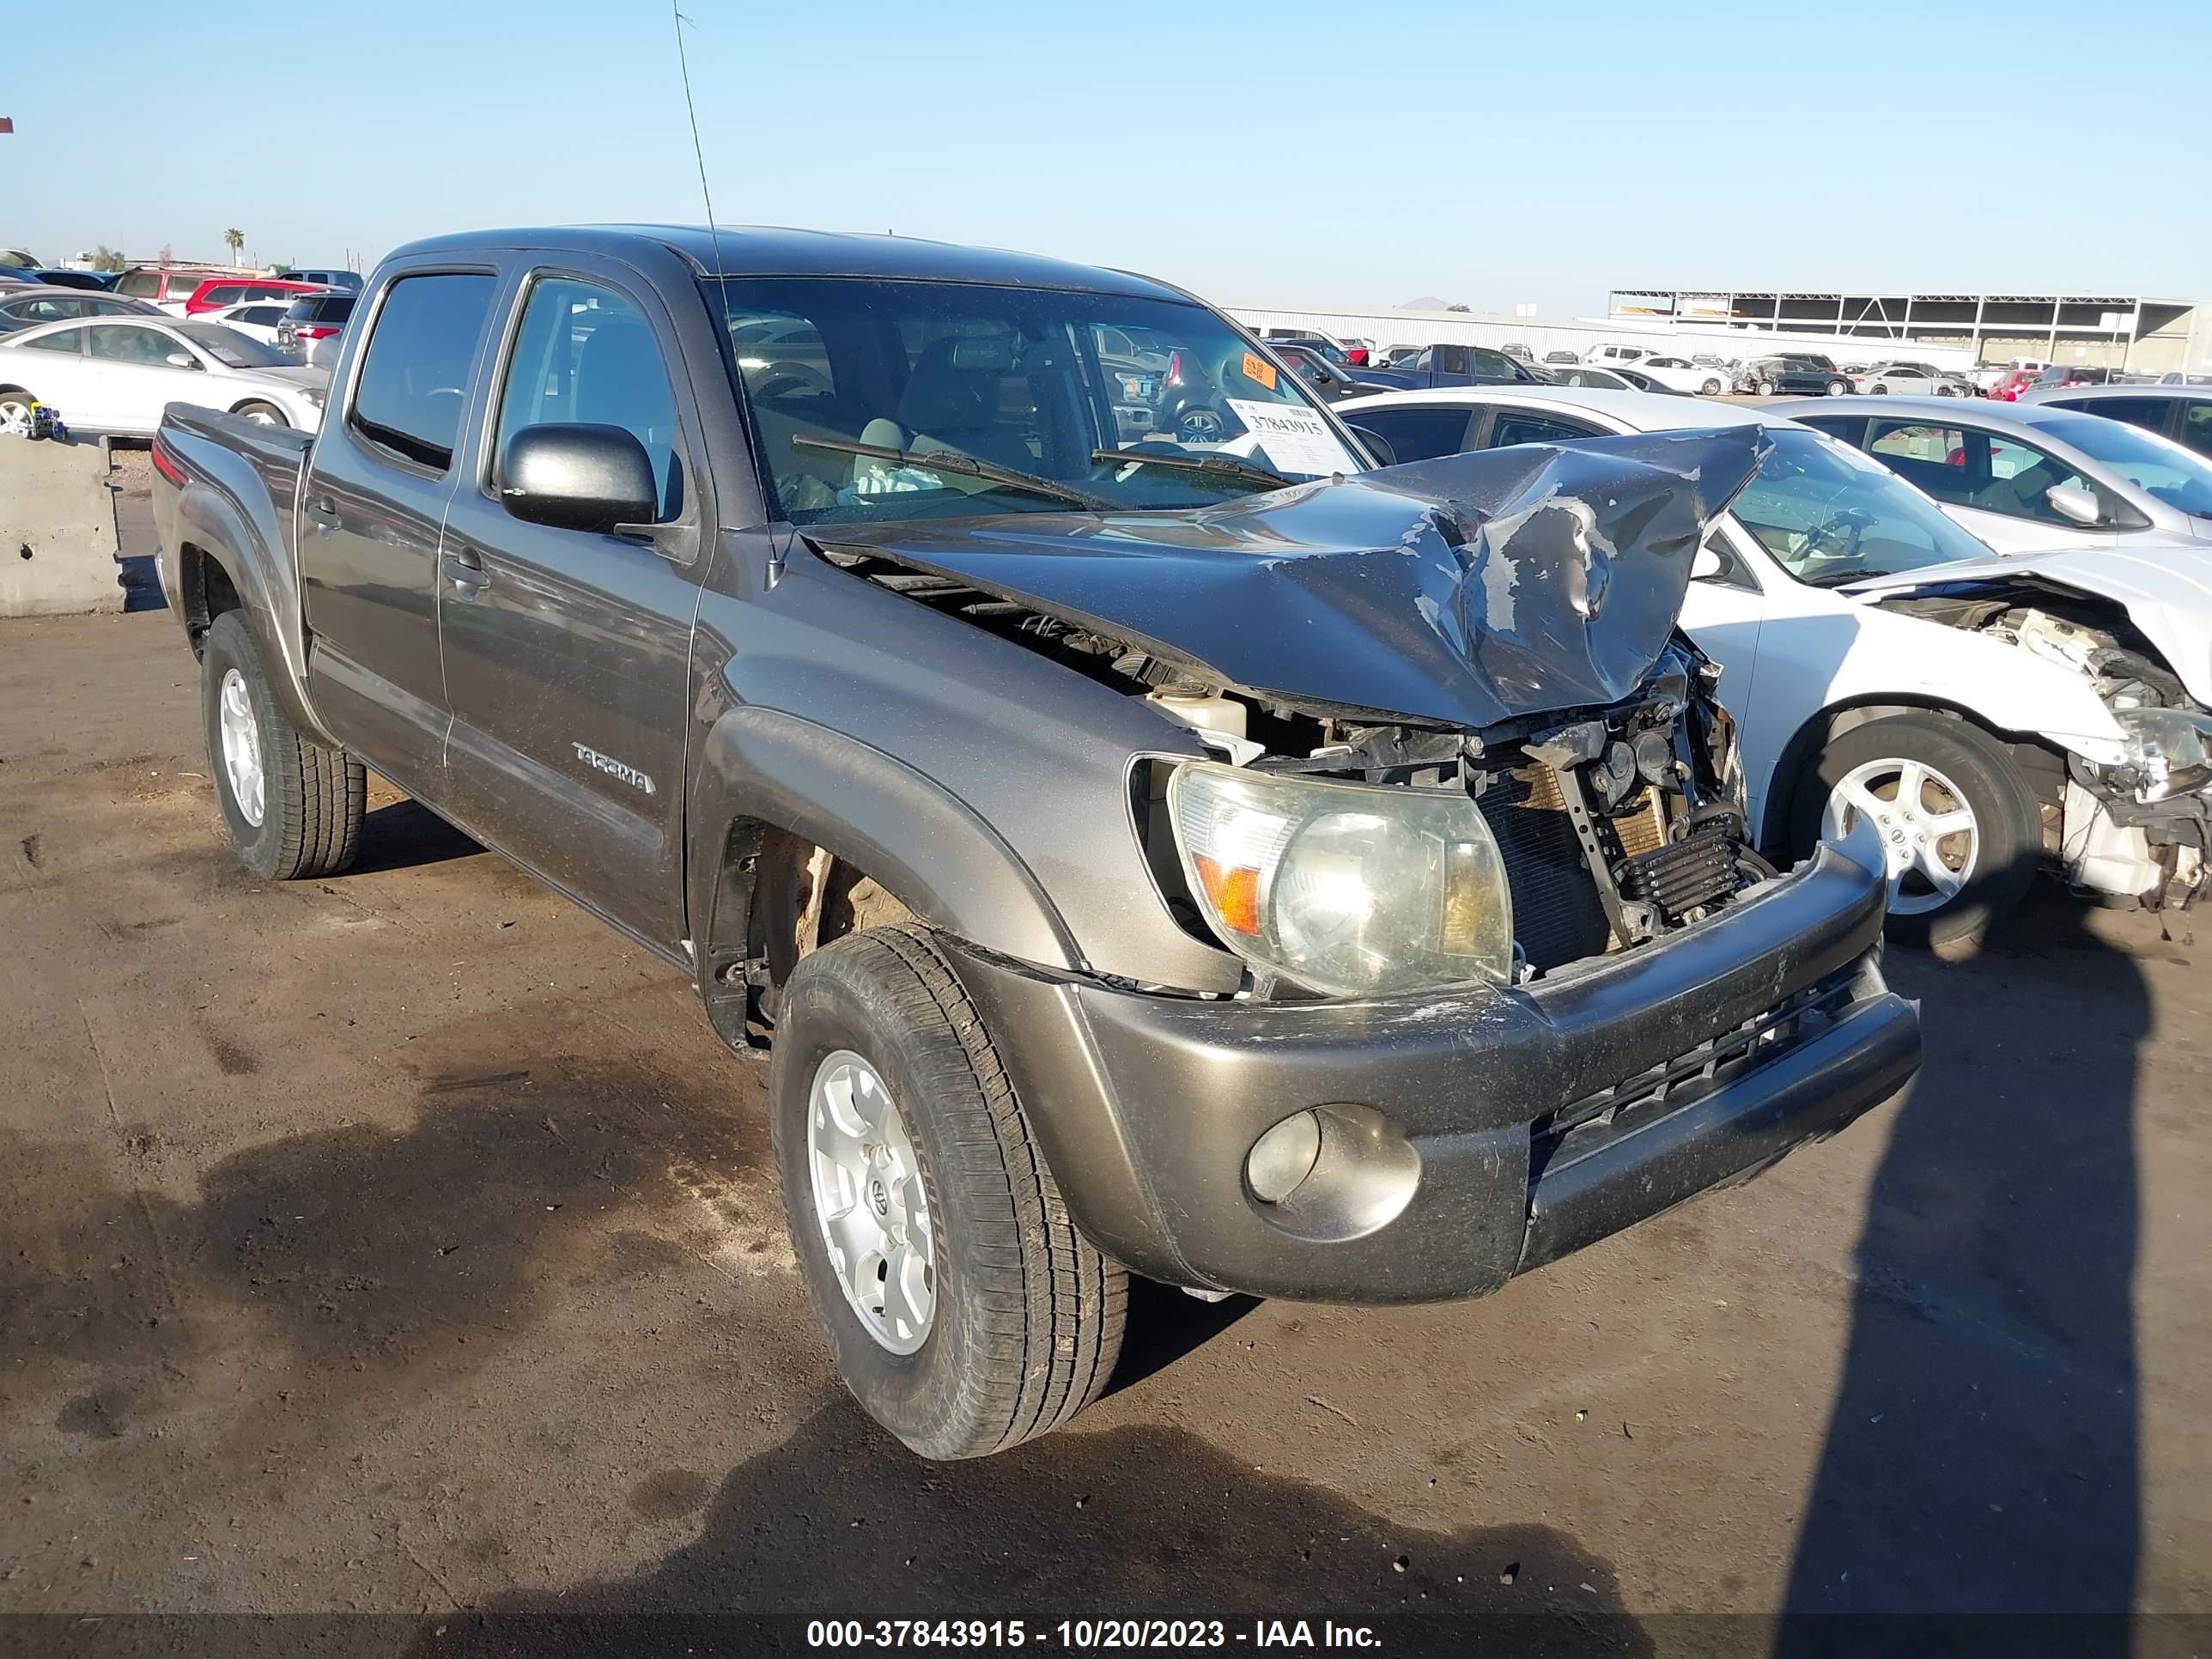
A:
(414, 381)
(140, 285)
(1515, 426)
(229, 295)
(2197, 426)
(2148, 413)
(1937, 459)
(1416, 435)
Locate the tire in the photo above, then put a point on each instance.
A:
(1839, 388)
(15, 414)
(261, 413)
(1960, 762)
(1878, 390)
(310, 801)
(1711, 388)
(1026, 1315)
(1767, 388)
(1945, 392)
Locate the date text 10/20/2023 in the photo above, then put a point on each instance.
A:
(1085, 1633)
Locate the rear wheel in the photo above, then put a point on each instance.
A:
(964, 1310)
(292, 807)
(1960, 831)
(1839, 388)
(1767, 388)
(262, 414)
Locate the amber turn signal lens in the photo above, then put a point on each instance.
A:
(1234, 892)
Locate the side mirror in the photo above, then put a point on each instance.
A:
(181, 359)
(1706, 565)
(2069, 502)
(576, 476)
(1375, 444)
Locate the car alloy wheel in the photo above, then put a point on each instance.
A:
(241, 748)
(871, 1202)
(1767, 388)
(1930, 839)
(15, 418)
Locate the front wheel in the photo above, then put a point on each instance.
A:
(262, 414)
(1878, 390)
(964, 1310)
(1710, 388)
(15, 414)
(292, 808)
(1960, 829)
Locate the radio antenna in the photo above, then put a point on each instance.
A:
(698, 150)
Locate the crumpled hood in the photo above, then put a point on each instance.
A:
(2166, 591)
(1463, 590)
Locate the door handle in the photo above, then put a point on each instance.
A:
(466, 574)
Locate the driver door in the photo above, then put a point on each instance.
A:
(129, 379)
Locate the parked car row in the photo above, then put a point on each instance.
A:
(109, 362)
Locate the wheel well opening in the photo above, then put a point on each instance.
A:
(778, 898)
(208, 591)
(2043, 767)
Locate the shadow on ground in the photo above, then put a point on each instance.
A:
(1133, 1522)
(1988, 1405)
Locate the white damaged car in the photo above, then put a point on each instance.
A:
(1990, 714)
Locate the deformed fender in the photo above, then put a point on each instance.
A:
(925, 847)
(208, 518)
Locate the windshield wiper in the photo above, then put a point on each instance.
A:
(1844, 578)
(947, 460)
(1228, 466)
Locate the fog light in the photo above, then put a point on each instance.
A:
(1283, 1158)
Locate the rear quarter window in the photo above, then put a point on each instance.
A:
(414, 381)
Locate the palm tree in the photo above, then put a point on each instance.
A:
(233, 240)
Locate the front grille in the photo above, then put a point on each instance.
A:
(1579, 1128)
(1557, 915)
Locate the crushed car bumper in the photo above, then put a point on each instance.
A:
(1458, 1138)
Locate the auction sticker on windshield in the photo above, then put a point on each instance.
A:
(1296, 439)
(1259, 369)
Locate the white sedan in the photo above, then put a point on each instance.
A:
(1883, 665)
(1680, 375)
(256, 320)
(117, 374)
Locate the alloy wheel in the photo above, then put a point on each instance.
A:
(871, 1202)
(241, 747)
(1930, 839)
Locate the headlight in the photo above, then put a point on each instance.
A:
(1347, 888)
(2170, 749)
(314, 395)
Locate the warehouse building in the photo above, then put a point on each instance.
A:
(2134, 332)
(2128, 331)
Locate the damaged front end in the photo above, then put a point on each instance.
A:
(2133, 821)
(1458, 737)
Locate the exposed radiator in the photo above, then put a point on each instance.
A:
(1557, 915)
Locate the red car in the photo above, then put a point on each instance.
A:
(217, 293)
(2011, 383)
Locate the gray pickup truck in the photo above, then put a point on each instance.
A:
(1210, 858)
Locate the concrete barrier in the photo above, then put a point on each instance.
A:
(58, 540)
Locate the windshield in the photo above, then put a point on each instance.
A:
(2163, 470)
(228, 345)
(852, 383)
(1830, 515)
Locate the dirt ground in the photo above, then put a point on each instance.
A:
(406, 1241)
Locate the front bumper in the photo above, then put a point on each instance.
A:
(1517, 1126)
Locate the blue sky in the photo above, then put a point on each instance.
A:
(1294, 152)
